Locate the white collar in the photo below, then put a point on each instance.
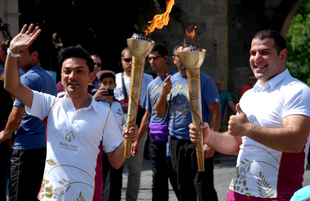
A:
(272, 83)
(93, 104)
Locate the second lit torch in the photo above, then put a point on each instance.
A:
(192, 59)
(140, 46)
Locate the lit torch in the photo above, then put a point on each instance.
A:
(192, 58)
(140, 46)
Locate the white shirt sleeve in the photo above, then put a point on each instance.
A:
(295, 100)
(41, 104)
(112, 136)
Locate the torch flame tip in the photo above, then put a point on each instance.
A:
(190, 33)
(161, 20)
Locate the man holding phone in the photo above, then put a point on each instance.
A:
(106, 86)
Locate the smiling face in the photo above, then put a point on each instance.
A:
(75, 76)
(265, 61)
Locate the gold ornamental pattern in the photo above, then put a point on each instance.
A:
(139, 49)
(192, 60)
(193, 77)
(137, 71)
(63, 186)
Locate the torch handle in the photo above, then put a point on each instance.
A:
(200, 155)
(193, 77)
(127, 149)
(137, 68)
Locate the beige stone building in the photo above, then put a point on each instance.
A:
(9, 14)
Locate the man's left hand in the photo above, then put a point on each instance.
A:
(131, 134)
(208, 151)
(237, 123)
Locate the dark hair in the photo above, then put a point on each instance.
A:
(279, 40)
(162, 50)
(34, 46)
(105, 75)
(77, 52)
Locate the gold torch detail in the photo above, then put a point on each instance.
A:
(140, 49)
(192, 60)
(140, 46)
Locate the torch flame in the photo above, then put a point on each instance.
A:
(160, 20)
(190, 33)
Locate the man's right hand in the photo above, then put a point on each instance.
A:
(24, 39)
(194, 133)
(4, 137)
(167, 85)
(100, 93)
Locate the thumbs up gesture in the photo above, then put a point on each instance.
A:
(237, 124)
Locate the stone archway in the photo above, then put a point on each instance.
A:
(289, 16)
(245, 19)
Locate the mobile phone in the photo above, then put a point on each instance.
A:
(167, 75)
(110, 92)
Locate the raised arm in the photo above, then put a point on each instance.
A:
(11, 75)
(161, 105)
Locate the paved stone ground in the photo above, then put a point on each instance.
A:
(223, 174)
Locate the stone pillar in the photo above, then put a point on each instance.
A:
(9, 14)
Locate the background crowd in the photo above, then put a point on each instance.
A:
(163, 118)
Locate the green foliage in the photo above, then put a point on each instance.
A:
(298, 43)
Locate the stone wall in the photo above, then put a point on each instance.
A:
(9, 14)
(245, 18)
(225, 29)
(210, 17)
